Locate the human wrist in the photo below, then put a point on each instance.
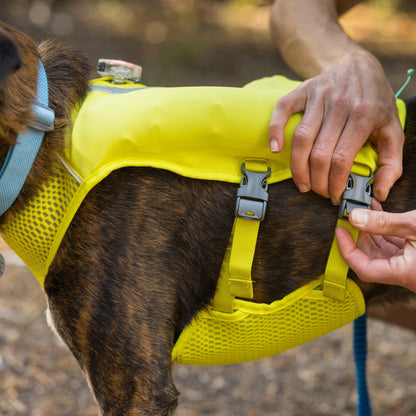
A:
(351, 55)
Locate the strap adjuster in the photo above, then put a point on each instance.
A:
(252, 195)
(357, 194)
(44, 118)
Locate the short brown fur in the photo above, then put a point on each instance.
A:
(143, 253)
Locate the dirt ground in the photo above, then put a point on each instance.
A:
(39, 377)
(190, 43)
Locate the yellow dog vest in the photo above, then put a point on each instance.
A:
(198, 132)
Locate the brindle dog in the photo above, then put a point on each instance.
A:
(143, 254)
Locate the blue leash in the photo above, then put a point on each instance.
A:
(360, 357)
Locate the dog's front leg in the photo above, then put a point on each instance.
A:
(140, 258)
(113, 306)
(113, 338)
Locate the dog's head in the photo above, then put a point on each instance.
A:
(10, 59)
(18, 75)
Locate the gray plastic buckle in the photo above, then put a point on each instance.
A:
(357, 194)
(252, 195)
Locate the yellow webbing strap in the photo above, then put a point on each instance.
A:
(335, 277)
(336, 269)
(241, 259)
(235, 277)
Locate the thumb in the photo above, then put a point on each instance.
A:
(384, 223)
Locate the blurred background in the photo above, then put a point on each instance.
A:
(203, 42)
(186, 42)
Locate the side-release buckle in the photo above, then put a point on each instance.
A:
(252, 195)
(357, 194)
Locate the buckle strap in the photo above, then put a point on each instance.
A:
(235, 277)
(357, 194)
(252, 194)
(241, 259)
(336, 270)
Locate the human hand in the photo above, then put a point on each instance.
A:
(386, 247)
(343, 108)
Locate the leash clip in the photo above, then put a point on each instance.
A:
(357, 194)
(252, 195)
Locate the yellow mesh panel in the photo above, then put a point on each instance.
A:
(255, 331)
(32, 232)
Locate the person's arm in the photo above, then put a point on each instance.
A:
(346, 100)
(308, 34)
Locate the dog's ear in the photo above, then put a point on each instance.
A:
(9, 55)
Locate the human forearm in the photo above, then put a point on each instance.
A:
(309, 37)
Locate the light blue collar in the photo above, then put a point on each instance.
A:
(20, 157)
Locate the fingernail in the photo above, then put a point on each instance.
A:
(274, 146)
(335, 201)
(303, 188)
(359, 217)
(380, 196)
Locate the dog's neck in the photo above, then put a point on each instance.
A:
(21, 156)
(67, 71)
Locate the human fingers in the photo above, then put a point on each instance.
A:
(349, 250)
(323, 150)
(389, 270)
(376, 205)
(355, 134)
(384, 242)
(377, 246)
(389, 143)
(292, 103)
(398, 269)
(396, 241)
(304, 141)
(384, 223)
